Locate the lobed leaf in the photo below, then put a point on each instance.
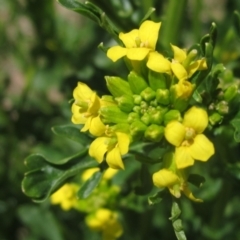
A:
(44, 177)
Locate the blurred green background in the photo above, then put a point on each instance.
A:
(44, 50)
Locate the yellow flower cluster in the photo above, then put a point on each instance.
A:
(106, 222)
(152, 105)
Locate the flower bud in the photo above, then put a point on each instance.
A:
(136, 83)
(222, 107)
(137, 99)
(157, 116)
(137, 129)
(125, 103)
(190, 57)
(118, 86)
(157, 80)
(120, 127)
(112, 114)
(154, 133)
(146, 119)
(133, 116)
(215, 118)
(148, 94)
(163, 96)
(230, 92)
(172, 115)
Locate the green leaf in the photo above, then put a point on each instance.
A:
(156, 198)
(196, 180)
(236, 124)
(93, 12)
(145, 159)
(213, 34)
(148, 14)
(40, 222)
(90, 185)
(176, 222)
(43, 177)
(72, 133)
(146, 181)
(236, 22)
(83, 9)
(175, 211)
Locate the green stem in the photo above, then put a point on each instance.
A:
(171, 27)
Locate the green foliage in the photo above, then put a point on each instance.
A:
(45, 50)
(45, 176)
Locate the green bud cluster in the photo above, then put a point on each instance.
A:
(142, 108)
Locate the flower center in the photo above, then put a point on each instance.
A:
(141, 44)
(189, 134)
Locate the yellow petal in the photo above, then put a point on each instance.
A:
(158, 63)
(94, 104)
(196, 118)
(116, 52)
(87, 124)
(129, 39)
(137, 53)
(123, 142)
(164, 178)
(183, 157)
(77, 117)
(179, 54)
(82, 92)
(179, 71)
(148, 33)
(97, 128)
(109, 173)
(174, 133)
(114, 159)
(183, 89)
(189, 194)
(201, 149)
(98, 148)
(197, 65)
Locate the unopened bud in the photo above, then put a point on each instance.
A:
(136, 83)
(112, 114)
(146, 119)
(230, 92)
(133, 116)
(163, 96)
(215, 118)
(154, 133)
(148, 94)
(137, 99)
(172, 115)
(137, 129)
(157, 116)
(118, 86)
(125, 103)
(190, 57)
(222, 107)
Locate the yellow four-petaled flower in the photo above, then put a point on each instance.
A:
(188, 139)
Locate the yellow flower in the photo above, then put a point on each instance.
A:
(108, 174)
(105, 221)
(138, 43)
(187, 136)
(182, 65)
(85, 110)
(66, 196)
(183, 90)
(173, 178)
(114, 147)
